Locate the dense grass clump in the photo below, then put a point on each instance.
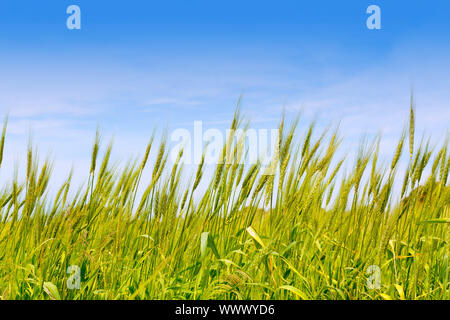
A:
(311, 231)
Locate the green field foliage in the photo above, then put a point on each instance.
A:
(311, 231)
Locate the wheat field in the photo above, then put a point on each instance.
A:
(311, 231)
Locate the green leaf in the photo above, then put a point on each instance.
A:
(213, 247)
(400, 291)
(206, 241)
(52, 291)
(296, 291)
(255, 236)
(444, 220)
(385, 296)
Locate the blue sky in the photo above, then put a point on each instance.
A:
(137, 64)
